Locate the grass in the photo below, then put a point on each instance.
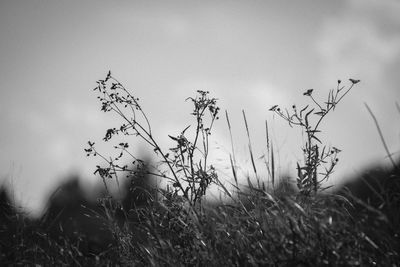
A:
(268, 222)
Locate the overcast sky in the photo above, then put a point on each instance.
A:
(249, 54)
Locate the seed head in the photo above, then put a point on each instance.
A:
(308, 92)
(354, 81)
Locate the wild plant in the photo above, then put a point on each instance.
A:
(190, 173)
(272, 231)
(317, 155)
(269, 231)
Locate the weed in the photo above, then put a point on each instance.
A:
(253, 227)
(316, 154)
(190, 172)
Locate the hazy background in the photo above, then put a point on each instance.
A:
(249, 54)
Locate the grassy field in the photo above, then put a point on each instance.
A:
(267, 222)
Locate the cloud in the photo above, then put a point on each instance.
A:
(353, 43)
(363, 41)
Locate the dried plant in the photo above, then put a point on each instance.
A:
(317, 155)
(190, 173)
(260, 229)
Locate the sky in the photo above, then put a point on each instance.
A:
(248, 54)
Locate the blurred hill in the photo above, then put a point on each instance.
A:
(376, 191)
(77, 225)
(86, 222)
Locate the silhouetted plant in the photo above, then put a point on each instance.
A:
(316, 154)
(257, 229)
(190, 173)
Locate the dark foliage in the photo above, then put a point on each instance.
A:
(259, 229)
(172, 226)
(376, 194)
(78, 218)
(74, 230)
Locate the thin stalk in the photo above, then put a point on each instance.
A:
(327, 111)
(381, 136)
(232, 157)
(250, 148)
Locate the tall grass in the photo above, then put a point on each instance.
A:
(265, 223)
(259, 226)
